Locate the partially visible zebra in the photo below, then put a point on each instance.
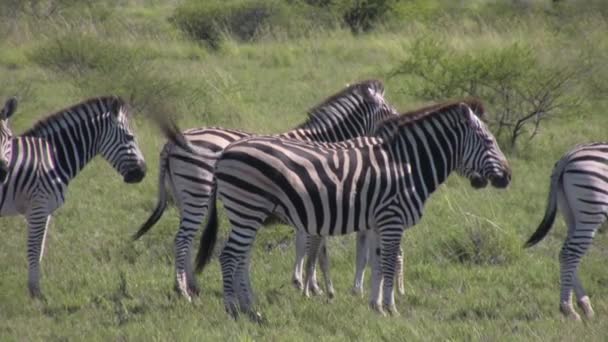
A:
(374, 183)
(354, 111)
(6, 136)
(51, 153)
(579, 189)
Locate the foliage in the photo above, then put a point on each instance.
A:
(243, 19)
(521, 91)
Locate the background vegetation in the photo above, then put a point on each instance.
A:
(258, 65)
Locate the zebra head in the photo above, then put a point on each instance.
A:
(483, 160)
(120, 148)
(6, 137)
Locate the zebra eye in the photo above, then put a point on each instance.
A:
(129, 137)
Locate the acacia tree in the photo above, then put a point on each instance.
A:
(521, 91)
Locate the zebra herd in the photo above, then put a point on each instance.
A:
(355, 165)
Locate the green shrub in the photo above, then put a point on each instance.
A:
(207, 21)
(519, 89)
(79, 54)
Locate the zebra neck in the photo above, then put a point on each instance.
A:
(428, 154)
(75, 142)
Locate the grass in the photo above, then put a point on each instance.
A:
(467, 277)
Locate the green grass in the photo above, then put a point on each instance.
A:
(102, 286)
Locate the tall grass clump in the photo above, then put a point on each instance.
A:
(97, 66)
(480, 242)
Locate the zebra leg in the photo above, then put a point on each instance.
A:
(399, 274)
(375, 301)
(389, 253)
(313, 284)
(185, 280)
(324, 262)
(234, 260)
(299, 264)
(569, 261)
(313, 246)
(583, 239)
(363, 251)
(38, 224)
(229, 262)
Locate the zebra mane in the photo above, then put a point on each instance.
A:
(389, 126)
(368, 90)
(100, 104)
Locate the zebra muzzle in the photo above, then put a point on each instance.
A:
(136, 174)
(3, 171)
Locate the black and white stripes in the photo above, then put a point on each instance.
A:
(51, 153)
(579, 189)
(375, 183)
(6, 136)
(354, 111)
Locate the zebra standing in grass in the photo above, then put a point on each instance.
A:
(375, 183)
(352, 112)
(6, 137)
(51, 153)
(579, 188)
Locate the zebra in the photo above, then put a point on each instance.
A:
(354, 111)
(6, 136)
(50, 154)
(377, 183)
(579, 189)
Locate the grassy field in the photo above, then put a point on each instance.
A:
(102, 286)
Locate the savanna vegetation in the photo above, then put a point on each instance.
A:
(259, 65)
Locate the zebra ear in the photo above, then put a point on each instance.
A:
(467, 117)
(115, 104)
(9, 108)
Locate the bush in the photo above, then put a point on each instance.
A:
(78, 54)
(244, 19)
(520, 90)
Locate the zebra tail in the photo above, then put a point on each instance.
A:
(209, 237)
(161, 204)
(551, 211)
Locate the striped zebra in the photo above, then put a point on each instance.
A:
(6, 136)
(354, 111)
(377, 183)
(579, 189)
(51, 153)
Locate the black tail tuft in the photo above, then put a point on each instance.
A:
(209, 237)
(542, 229)
(161, 203)
(551, 210)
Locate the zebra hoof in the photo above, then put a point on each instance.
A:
(194, 291)
(392, 310)
(315, 289)
(184, 293)
(377, 307)
(357, 291)
(568, 311)
(331, 293)
(256, 317)
(232, 310)
(585, 305)
(297, 283)
(35, 293)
